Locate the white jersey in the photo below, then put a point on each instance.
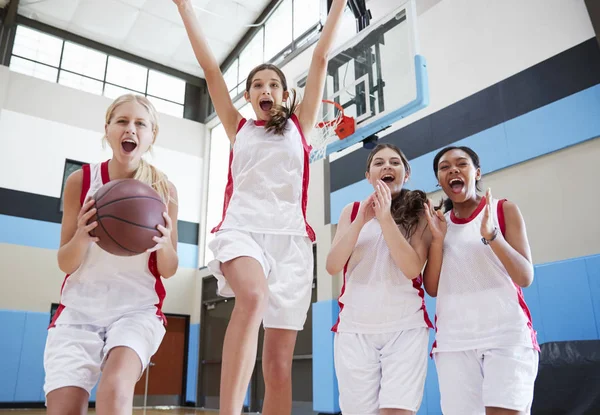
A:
(376, 296)
(267, 185)
(478, 305)
(106, 286)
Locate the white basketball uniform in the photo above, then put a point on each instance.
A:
(264, 217)
(486, 352)
(108, 301)
(382, 330)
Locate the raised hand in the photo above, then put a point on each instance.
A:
(164, 240)
(382, 200)
(84, 232)
(436, 220)
(181, 3)
(366, 211)
(488, 229)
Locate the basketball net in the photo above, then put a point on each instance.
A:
(338, 127)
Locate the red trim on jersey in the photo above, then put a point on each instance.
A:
(418, 285)
(229, 186)
(85, 185)
(355, 207)
(305, 176)
(462, 221)
(228, 192)
(85, 188)
(520, 296)
(158, 286)
(260, 123)
(60, 306)
(104, 172)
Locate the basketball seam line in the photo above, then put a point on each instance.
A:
(126, 221)
(113, 239)
(129, 198)
(110, 190)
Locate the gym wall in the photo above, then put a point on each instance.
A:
(519, 82)
(42, 124)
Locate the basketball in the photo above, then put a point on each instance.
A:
(128, 212)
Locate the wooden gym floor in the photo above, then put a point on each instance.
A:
(149, 411)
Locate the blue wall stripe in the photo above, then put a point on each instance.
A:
(13, 325)
(192, 367)
(325, 387)
(40, 234)
(592, 265)
(29, 232)
(561, 124)
(30, 380)
(565, 300)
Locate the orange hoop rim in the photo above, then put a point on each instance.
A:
(337, 119)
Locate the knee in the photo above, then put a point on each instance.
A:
(115, 391)
(252, 301)
(277, 372)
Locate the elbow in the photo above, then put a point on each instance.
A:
(331, 268)
(431, 291)
(320, 57)
(64, 265)
(526, 279)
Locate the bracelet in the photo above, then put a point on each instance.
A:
(486, 241)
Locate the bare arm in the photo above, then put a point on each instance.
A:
(74, 232)
(408, 257)
(167, 259)
(513, 249)
(217, 88)
(346, 235)
(315, 81)
(437, 227)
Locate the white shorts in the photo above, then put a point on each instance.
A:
(75, 354)
(376, 371)
(472, 380)
(287, 262)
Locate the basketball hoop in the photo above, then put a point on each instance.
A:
(325, 132)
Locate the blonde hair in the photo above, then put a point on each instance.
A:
(146, 172)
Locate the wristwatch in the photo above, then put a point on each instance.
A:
(487, 241)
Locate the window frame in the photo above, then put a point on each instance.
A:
(60, 69)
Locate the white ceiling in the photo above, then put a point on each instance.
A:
(151, 29)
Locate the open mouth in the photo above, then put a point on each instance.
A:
(456, 184)
(128, 145)
(388, 178)
(266, 104)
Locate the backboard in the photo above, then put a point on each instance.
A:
(377, 76)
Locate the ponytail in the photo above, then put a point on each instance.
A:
(147, 173)
(280, 114)
(407, 208)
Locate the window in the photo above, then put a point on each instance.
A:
(278, 31)
(56, 60)
(71, 166)
(306, 14)
(231, 79)
(126, 74)
(84, 61)
(275, 40)
(217, 180)
(37, 46)
(251, 56)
